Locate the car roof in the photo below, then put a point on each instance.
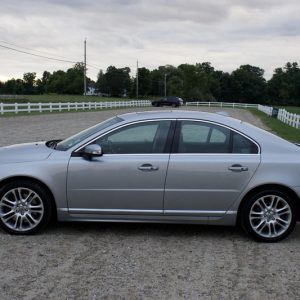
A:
(180, 114)
(270, 142)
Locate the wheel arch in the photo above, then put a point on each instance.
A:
(34, 180)
(264, 187)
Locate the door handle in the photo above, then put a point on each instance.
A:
(238, 168)
(147, 167)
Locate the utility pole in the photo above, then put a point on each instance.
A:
(137, 80)
(165, 85)
(84, 71)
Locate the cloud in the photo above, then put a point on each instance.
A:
(158, 32)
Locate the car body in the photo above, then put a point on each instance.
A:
(168, 101)
(164, 167)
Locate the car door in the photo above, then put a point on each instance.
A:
(208, 169)
(128, 179)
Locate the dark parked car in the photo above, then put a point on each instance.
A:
(169, 101)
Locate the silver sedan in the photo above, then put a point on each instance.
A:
(167, 167)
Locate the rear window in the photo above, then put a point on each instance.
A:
(204, 137)
(240, 144)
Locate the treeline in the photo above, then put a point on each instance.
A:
(199, 82)
(59, 82)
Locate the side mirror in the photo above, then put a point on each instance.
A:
(93, 150)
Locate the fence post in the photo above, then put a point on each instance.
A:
(28, 107)
(16, 108)
(1, 109)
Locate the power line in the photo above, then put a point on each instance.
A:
(22, 47)
(93, 66)
(67, 60)
(42, 56)
(47, 57)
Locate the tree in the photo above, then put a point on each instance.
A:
(115, 82)
(200, 83)
(45, 81)
(248, 84)
(145, 83)
(192, 82)
(61, 82)
(74, 80)
(157, 82)
(101, 83)
(284, 86)
(29, 82)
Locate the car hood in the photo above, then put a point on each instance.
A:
(24, 153)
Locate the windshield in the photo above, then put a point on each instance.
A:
(79, 137)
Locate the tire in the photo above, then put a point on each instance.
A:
(174, 105)
(25, 207)
(269, 216)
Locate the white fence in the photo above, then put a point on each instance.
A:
(266, 109)
(283, 115)
(289, 118)
(68, 106)
(222, 104)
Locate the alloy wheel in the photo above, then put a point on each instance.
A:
(21, 209)
(270, 216)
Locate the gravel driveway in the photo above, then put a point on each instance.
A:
(138, 261)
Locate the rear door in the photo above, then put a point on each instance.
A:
(208, 169)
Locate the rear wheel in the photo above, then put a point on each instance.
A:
(25, 207)
(269, 216)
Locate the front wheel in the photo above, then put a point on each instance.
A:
(25, 207)
(269, 216)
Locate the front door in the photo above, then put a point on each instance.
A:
(128, 179)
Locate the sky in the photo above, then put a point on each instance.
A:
(227, 33)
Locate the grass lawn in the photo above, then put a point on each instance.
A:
(285, 131)
(292, 109)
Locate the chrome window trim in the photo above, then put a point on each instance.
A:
(174, 119)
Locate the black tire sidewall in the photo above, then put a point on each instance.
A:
(247, 207)
(42, 194)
